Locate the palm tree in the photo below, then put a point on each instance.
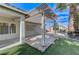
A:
(72, 26)
(77, 21)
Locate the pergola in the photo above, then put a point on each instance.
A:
(45, 11)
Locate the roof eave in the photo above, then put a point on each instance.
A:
(12, 8)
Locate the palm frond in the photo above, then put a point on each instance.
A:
(61, 6)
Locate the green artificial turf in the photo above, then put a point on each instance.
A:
(61, 47)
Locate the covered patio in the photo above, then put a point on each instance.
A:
(43, 40)
(11, 15)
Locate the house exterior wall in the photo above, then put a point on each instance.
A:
(6, 16)
(32, 29)
(10, 35)
(35, 17)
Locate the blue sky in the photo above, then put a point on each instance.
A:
(62, 18)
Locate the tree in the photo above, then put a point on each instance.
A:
(72, 15)
(77, 22)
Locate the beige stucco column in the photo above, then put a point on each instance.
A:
(22, 29)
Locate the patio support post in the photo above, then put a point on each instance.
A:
(22, 29)
(43, 29)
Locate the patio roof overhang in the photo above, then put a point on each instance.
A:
(47, 10)
(36, 18)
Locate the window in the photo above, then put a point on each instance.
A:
(13, 28)
(3, 28)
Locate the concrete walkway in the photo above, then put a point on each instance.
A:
(37, 43)
(4, 43)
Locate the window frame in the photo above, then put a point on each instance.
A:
(3, 28)
(11, 32)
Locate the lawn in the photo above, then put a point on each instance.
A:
(61, 47)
